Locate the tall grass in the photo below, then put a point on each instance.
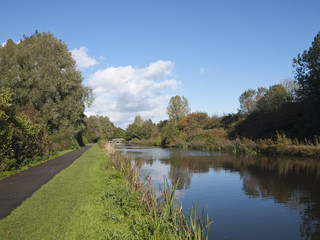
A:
(163, 206)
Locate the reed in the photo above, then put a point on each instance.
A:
(163, 206)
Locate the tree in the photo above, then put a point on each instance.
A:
(273, 98)
(149, 130)
(107, 127)
(20, 138)
(194, 121)
(291, 88)
(178, 108)
(307, 67)
(119, 133)
(138, 120)
(93, 129)
(99, 127)
(43, 76)
(133, 131)
(249, 99)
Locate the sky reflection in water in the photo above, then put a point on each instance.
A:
(247, 198)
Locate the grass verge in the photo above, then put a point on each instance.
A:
(87, 200)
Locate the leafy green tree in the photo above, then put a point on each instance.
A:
(133, 131)
(170, 134)
(93, 129)
(99, 127)
(249, 99)
(107, 127)
(291, 87)
(20, 139)
(214, 122)
(273, 98)
(194, 121)
(42, 74)
(138, 120)
(178, 108)
(119, 133)
(149, 130)
(307, 67)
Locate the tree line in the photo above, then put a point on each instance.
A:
(284, 114)
(42, 102)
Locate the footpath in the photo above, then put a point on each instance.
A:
(17, 188)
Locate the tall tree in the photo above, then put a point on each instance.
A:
(42, 74)
(307, 66)
(178, 108)
(138, 120)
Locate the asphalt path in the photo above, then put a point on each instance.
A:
(17, 188)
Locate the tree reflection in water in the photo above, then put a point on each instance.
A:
(294, 183)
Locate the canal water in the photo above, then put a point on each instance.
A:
(246, 197)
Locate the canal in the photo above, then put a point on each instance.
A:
(246, 197)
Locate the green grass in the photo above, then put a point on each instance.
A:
(87, 200)
(34, 162)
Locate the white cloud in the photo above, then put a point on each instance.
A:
(3, 44)
(124, 92)
(201, 70)
(82, 58)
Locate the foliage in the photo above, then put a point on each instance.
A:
(170, 134)
(249, 98)
(133, 131)
(42, 74)
(307, 67)
(273, 98)
(178, 108)
(266, 100)
(99, 127)
(194, 121)
(290, 107)
(214, 122)
(20, 139)
(119, 132)
(138, 121)
(149, 130)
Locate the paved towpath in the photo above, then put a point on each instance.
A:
(17, 188)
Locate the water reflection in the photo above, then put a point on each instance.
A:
(292, 183)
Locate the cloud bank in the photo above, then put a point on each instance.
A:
(124, 92)
(82, 59)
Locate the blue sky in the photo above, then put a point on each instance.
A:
(136, 54)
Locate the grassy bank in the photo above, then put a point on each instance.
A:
(87, 200)
(166, 217)
(218, 141)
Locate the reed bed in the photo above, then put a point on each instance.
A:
(163, 206)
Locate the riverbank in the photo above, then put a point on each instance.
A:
(164, 208)
(217, 141)
(87, 200)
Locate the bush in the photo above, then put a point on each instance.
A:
(181, 143)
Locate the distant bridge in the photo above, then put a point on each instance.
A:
(117, 140)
